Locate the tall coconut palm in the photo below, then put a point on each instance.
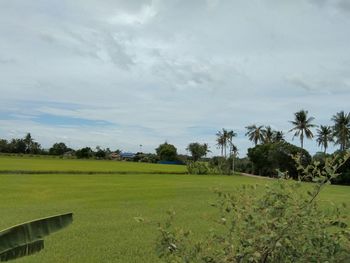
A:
(267, 134)
(341, 129)
(255, 133)
(221, 140)
(302, 126)
(324, 136)
(234, 152)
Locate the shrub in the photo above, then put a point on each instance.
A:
(278, 222)
(221, 165)
(243, 165)
(197, 168)
(268, 158)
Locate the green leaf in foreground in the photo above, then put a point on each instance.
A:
(26, 239)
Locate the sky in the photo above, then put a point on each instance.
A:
(119, 73)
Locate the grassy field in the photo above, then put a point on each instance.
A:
(73, 165)
(105, 206)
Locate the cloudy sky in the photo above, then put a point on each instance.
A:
(123, 73)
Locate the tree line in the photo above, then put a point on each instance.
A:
(271, 152)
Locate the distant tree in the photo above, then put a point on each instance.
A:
(223, 139)
(267, 134)
(4, 147)
(255, 133)
(324, 136)
(28, 140)
(100, 153)
(269, 157)
(32, 146)
(197, 150)
(341, 129)
(220, 143)
(35, 148)
(17, 146)
(302, 126)
(59, 148)
(278, 136)
(166, 152)
(84, 153)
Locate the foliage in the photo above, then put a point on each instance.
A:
(282, 224)
(268, 158)
(268, 134)
(166, 152)
(341, 129)
(26, 239)
(4, 147)
(197, 150)
(244, 165)
(25, 145)
(84, 153)
(221, 165)
(278, 136)
(101, 153)
(224, 140)
(58, 148)
(197, 168)
(255, 133)
(302, 126)
(324, 136)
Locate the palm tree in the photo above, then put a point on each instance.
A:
(341, 129)
(324, 136)
(302, 126)
(234, 152)
(255, 133)
(278, 136)
(221, 140)
(267, 134)
(28, 140)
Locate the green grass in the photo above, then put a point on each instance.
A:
(104, 206)
(73, 165)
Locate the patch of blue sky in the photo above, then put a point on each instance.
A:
(48, 119)
(55, 120)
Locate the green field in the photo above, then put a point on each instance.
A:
(105, 205)
(73, 165)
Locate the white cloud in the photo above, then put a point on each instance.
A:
(156, 68)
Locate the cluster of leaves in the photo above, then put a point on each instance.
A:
(197, 150)
(167, 152)
(21, 145)
(278, 222)
(267, 158)
(221, 165)
(197, 168)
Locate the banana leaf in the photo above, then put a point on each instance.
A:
(25, 235)
(21, 251)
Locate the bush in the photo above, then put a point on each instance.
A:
(278, 222)
(221, 165)
(197, 168)
(270, 157)
(243, 165)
